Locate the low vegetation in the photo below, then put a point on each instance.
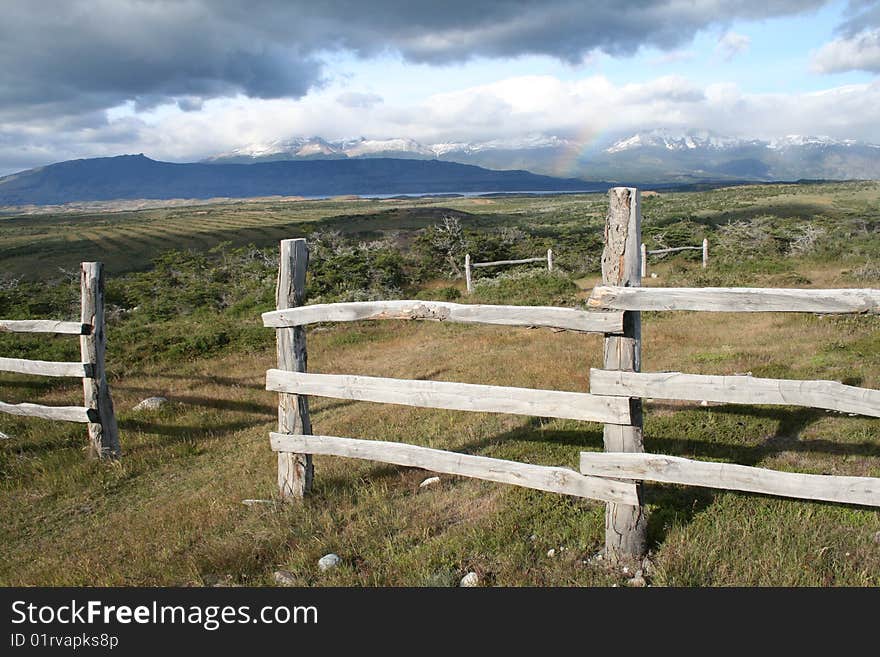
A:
(185, 291)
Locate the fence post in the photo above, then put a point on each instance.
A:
(467, 273)
(295, 471)
(705, 253)
(103, 434)
(625, 525)
(644, 261)
(549, 259)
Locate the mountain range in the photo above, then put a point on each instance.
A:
(139, 177)
(655, 156)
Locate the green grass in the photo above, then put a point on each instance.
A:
(170, 512)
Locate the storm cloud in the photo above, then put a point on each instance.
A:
(77, 56)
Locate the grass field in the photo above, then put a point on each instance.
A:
(170, 512)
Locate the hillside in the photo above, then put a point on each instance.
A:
(139, 177)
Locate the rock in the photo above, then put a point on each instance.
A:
(704, 403)
(470, 580)
(430, 481)
(329, 561)
(637, 582)
(653, 275)
(150, 404)
(551, 552)
(284, 578)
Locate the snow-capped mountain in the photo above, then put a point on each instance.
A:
(657, 155)
(301, 147)
(688, 141)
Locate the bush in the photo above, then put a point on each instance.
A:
(528, 287)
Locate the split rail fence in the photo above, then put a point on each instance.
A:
(97, 411)
(615, 397)
(469, 266)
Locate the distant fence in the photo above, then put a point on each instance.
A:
(97, 410)
(468, 265)
(614, 399)
(645, 253)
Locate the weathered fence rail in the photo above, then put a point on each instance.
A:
(735, 299)
(453, 396)
(468, 266)
(549, 316)
(829, 395)
(676, 470)
(97, 410)
(675, 249)
(540, 477)
(614, 476)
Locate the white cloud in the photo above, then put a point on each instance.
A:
(584, 109)
(731, 44)
(859, 52)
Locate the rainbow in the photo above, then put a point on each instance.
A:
(579, 146)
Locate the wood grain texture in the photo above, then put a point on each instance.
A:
(43, 326)
(737, 390)
(295, 470)
(103, 431)
(455, 396)
(62, 413)
(735, 299)
(676, 470)
(46, 367)
(549, 316)
(541, 477)
(626, 525)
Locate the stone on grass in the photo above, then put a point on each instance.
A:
(470, 580)
(284, 578)
(551, 552)
(430, 481)
(329, 561)
(150, 404)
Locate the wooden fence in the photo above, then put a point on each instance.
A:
(645, 253)
(468, 266)
(97, 410)
(615, 397)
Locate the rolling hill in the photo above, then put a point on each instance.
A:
(139, 177)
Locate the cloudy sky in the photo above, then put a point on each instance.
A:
(181, 80)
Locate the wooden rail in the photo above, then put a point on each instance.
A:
(454, 396)
(477, 265)
(46, 368)
(675, 249)
(63, 413)
(676, 470)
(550, 316)
(735, 299)
(468, 265)
(829, 395)
(43, 326)
(540, 477)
